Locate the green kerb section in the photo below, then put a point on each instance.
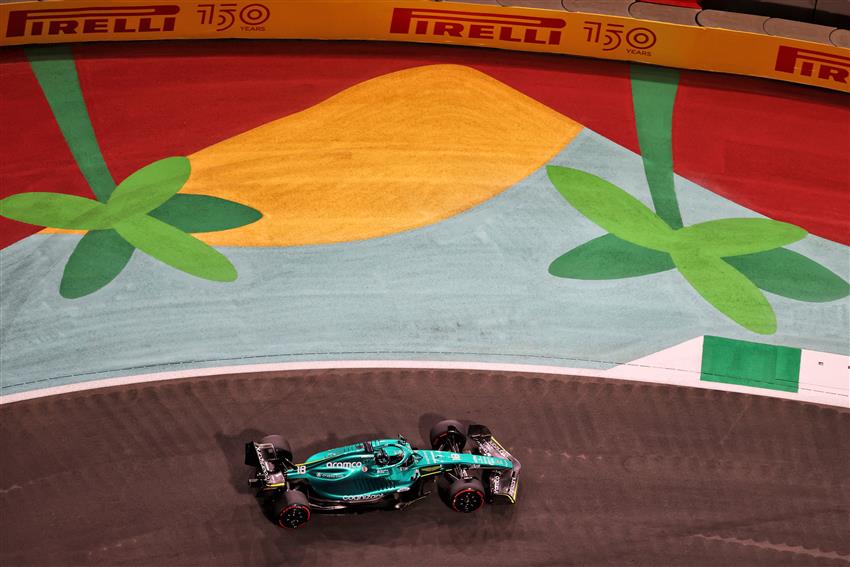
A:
(750, 364)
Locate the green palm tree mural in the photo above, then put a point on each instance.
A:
(142, 212)
(729, 262)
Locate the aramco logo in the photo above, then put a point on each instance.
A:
(345, 465)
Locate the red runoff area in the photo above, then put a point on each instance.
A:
(782, 150)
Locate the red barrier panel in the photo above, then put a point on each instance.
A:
(680, 3)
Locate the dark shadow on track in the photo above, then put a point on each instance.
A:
(614, 473)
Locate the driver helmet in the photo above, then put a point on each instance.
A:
(389, 455)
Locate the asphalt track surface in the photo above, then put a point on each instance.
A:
(614, 473)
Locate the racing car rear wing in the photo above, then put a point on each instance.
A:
(503, 484)
(270, 466)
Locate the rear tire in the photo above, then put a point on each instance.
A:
(292, 510)
(281, 446)
(466, 495)
(448, 430)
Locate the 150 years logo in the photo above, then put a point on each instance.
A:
(611, 35)
(224, 16)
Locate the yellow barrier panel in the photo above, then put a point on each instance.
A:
(523, 29)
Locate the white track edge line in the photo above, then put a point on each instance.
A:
(687, 378)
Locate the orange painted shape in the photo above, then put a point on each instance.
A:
(398, 152)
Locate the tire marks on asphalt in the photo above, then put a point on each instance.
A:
(613, 473)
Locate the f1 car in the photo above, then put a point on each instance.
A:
(383, 474)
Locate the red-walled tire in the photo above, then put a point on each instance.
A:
(292, 510)
(466, 496)
(448, 429)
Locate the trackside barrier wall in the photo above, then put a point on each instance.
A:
(514, 28)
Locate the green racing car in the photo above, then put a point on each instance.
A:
(383, 474)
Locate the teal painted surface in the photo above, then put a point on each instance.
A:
(751, 364)
(473, 288)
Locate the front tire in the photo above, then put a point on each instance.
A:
(466, 495)
(446, 432)
(292, 510)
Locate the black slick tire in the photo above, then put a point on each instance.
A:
(447, 431)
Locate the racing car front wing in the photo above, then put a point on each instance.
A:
(503, 484)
